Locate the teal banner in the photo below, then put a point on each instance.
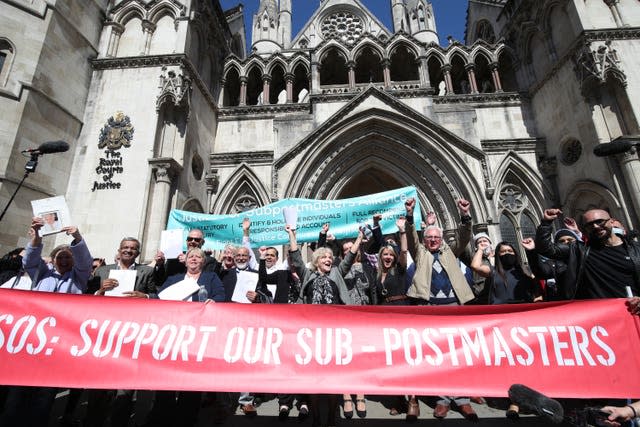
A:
(267, 222)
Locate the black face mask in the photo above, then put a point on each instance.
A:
(508, 260)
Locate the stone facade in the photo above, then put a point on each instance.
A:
(163, 109)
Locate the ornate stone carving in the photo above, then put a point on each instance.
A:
(598, 64)
(116, 133)
(512, 198)
(175, 85)
(213, 181)
(245, 202)
(343, 26)
(165, 169)
(570, 151)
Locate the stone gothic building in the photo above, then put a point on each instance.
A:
(163, 109)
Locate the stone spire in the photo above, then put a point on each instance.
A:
(416, 18)
(271, 27)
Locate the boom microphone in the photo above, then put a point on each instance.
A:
(49, 148)
(613, 148)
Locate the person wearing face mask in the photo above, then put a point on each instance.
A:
(604, 267)
(507, 281)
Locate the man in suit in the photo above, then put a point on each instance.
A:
(145, 286)
(118, 404)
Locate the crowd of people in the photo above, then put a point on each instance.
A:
(596, 259)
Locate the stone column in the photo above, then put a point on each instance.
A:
(315, 77)
(266, 80)
(243, 91)
(352, 74)
(289, 78)
(114, 40)
(630, 166)
(495, 75)
(223, 84)
(386, 71)
(423, 69)
(617, 16)
(471, 75)
(148, 28)
(446, 70)
(164, 170)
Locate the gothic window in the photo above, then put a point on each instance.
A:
(422, 25)
(436, 76)
(254, 87)
(333, 70)
(277, 84)
(570, 151)
(507, 73)
(131, 41)
(403, 65)
(343, 26)
(231, 89)
(516, 220)
(484, 31)
(164, 37)
(369, 67)
(459, 75)
(300, 82)
(6, 58)
(483, 75)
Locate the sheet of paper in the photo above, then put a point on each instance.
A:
(23, 284)
(171, 243)
(126, 282)
(55, 213)
(180, 291)
(290, 216)
(272, 289)
(245, 281)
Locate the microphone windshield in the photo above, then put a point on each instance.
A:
(612, 148)
(53, 147)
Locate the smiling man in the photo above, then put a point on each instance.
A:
(604, 267)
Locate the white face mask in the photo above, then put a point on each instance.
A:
(617, 231)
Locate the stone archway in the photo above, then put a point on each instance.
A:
(360, 185)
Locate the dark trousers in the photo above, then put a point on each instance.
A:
(28, 406)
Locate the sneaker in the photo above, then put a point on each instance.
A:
(283, 413)
(537, 403)
(303, 412)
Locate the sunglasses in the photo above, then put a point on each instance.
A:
(194, 239)
(597, 222)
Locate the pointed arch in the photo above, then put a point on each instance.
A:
(403, 63)
(333, 69)
(276, 62)
(585, 195)
(368, 67)
(278, 84)
(231, 96)
(160, 10)
(243, 188)
(192, 205)
(7, 55)
(513, 169)
(361, 47)
(129, 10)
(163, 40)
(254, 85)
(324, 163)
(254, 62)
(402, 41)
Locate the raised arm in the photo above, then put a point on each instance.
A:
(401, 223)
(463, 236)
(246, 242)
(544, 242)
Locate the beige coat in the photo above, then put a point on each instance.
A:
(421, 284)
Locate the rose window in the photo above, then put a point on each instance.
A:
(343, 26)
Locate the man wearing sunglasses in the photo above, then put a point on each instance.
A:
(602, 268)
(169, 267)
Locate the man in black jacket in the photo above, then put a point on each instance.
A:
(602, 268)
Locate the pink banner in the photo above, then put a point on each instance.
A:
(574, 349)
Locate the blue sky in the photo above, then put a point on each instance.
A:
(450, 14)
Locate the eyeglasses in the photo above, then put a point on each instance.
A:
(597, 222)
(194, 239)
(436, 238)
